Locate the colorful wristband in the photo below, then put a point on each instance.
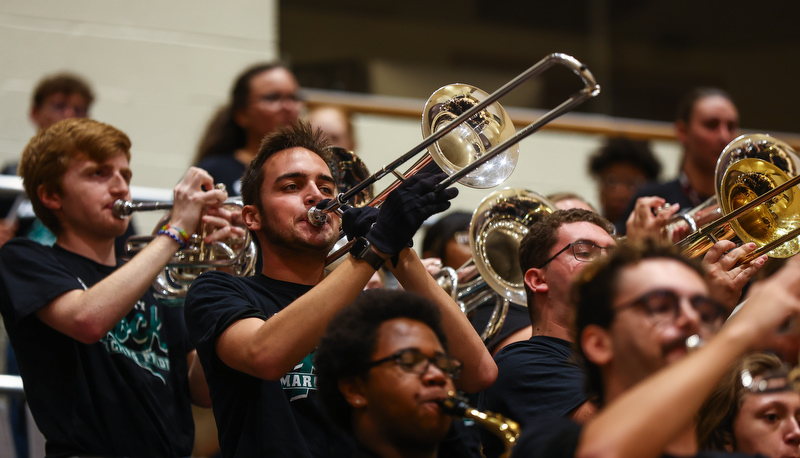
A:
(181, 233)
(173, 237)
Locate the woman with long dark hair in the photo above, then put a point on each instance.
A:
(264, 97)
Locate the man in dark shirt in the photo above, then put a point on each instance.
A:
(540, 376)
(638, 313)
(384, 370)
(256, 336)
(108, 369)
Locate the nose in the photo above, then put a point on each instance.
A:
(434, 376)
(793, 434)
(119, 185)
(688, 318)
(314, 195)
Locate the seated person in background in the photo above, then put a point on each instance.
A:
(264, 97)
(256, 336)
(706, 121)
(56, 97)
(336, 124)
(636, 309)
(755, 408)
(567, 200)
(108, 369)
(382, 369)
(620, 167)
(448, 239)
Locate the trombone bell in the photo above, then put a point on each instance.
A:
(749, 167)
(471, 139)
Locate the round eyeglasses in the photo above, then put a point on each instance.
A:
(414, 361)
(583, 250)
(664, 305)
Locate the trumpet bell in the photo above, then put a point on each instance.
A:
(471, 139)
(749, 167)
(498, 226)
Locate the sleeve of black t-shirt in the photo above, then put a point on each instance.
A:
(30, 278)
(213, 303)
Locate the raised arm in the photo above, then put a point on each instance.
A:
(269, 349)
(642, 421)
(479, 370)
(87, 315)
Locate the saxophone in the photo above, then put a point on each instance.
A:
(506, 429)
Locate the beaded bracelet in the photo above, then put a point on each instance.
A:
(173, 237)
(183, 235)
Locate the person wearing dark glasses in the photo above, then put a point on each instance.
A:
(539, 376)
(383, 369)
(653, 345)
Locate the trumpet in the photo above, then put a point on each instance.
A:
(756, 200)
(469, 135)
(497, 227)
(237, 256)
(506, 429)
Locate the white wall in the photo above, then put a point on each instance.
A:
(160, 69)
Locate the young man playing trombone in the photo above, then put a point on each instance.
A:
(108, 370)
(256, 336)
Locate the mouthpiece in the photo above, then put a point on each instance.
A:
(317, 217)
(122, 208)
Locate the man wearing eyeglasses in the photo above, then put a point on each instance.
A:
(383, 371)
(637, 314)
(538, 376)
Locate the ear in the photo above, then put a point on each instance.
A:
(352, 388)
(596, 345)
(536, 280)
(241, 119)
(680, 130)
(50, 199)
(251, 217)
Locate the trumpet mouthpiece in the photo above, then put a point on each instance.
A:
(122, 208)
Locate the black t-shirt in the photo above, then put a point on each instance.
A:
(516, 319)
(548, 437)
(257, 417)
(126, 395)
(227, 170)
(535, 377)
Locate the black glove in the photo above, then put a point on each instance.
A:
(356, 221)
(406, 208)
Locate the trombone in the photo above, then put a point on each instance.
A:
(461, 109)
(757, 200)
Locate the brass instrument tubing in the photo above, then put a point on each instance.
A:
(711, 227)
(591, 89)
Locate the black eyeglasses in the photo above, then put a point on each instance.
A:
(664, 305)
(583, 250)
(771, 381)
(412, 360)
